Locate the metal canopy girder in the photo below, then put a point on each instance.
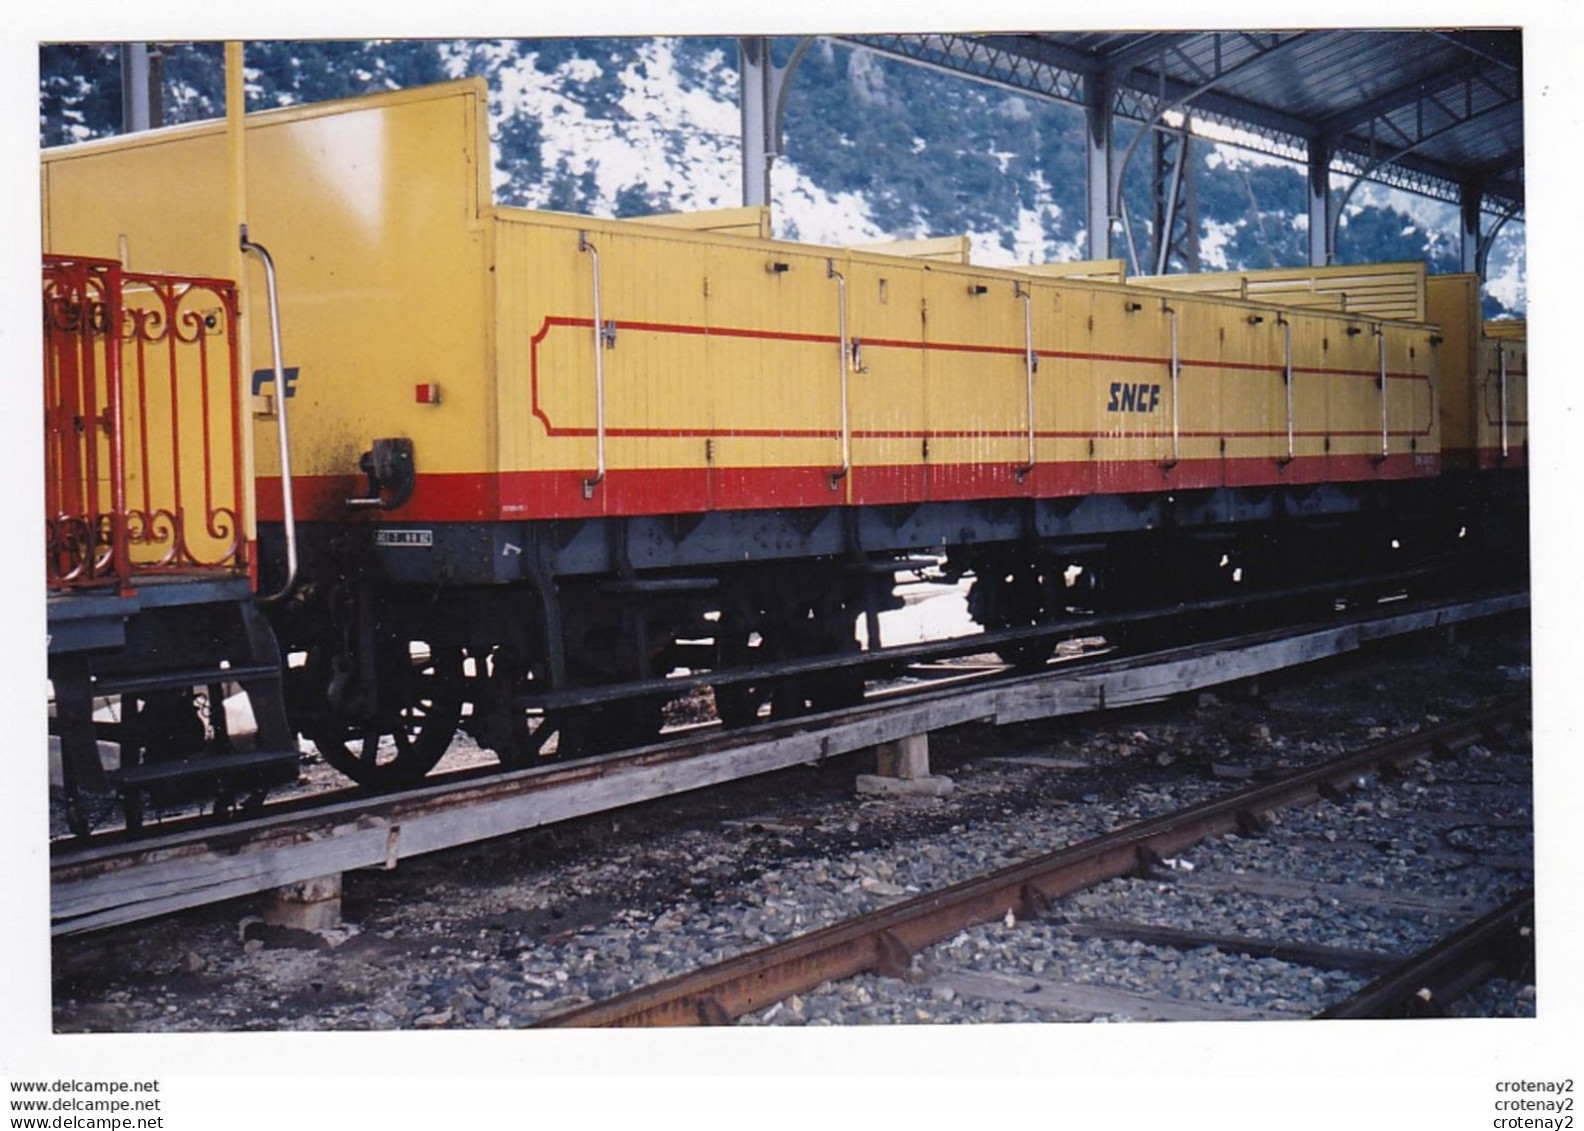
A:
(762, 104)
(1436, 110)
(1478, 70)
(1400, 97)
(1492, 169)
(1144, 47)
(1426, 176)
(1032, 65)
(1025, 46)
(1222, 69)
(1043, 70)
(1487, 46)
(1392, 156)
(1224, 56)
(1142, 86)
(1284, 130)
(1176, 228)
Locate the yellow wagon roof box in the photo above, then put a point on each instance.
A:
(1376, 290)
(936, 249)
(474, 87)
(1092, 270)
(752, 222)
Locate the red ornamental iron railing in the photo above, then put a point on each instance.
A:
(142, 425)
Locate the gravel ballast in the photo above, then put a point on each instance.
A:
(504, 933)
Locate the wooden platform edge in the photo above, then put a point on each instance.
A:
(168, 883)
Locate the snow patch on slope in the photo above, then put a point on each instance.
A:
(802, 210)
(676, 143)
(676, 140)
(1214, 237)
(1029, 237)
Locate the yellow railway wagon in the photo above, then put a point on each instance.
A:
(1481, 372)
(764, 374)
(535, 452)
(1501, 407)
(1453, 305)
(375, 213)
(1481, 368)
(1484, 379)
(1501, 399)
(723, 371)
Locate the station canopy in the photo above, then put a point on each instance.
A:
(1438, 113)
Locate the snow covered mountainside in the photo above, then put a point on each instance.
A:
(874, 149)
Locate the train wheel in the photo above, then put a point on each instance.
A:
(611, 726)
(829, 691)
(496, 722)
(392, 735)
(1014, 594)
(791, 696)
(531, 737)
(738, 704)
(583, 732)
(1027, 655)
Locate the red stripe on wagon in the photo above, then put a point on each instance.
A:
(554, 321)
(522, 495)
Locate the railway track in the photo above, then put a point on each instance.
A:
(887, 672)
(887, 942)
(112, 882)
(1500, 943)
(503, 933)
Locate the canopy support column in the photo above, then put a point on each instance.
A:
(1321, 249)
(1101, 156)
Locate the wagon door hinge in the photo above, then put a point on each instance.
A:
(857, 356)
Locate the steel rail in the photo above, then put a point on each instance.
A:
(917, 661)
(1501, 941)
(107, 884)
(898, 657)
(885, 941)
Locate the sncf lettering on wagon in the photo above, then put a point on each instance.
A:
(1127, 396)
